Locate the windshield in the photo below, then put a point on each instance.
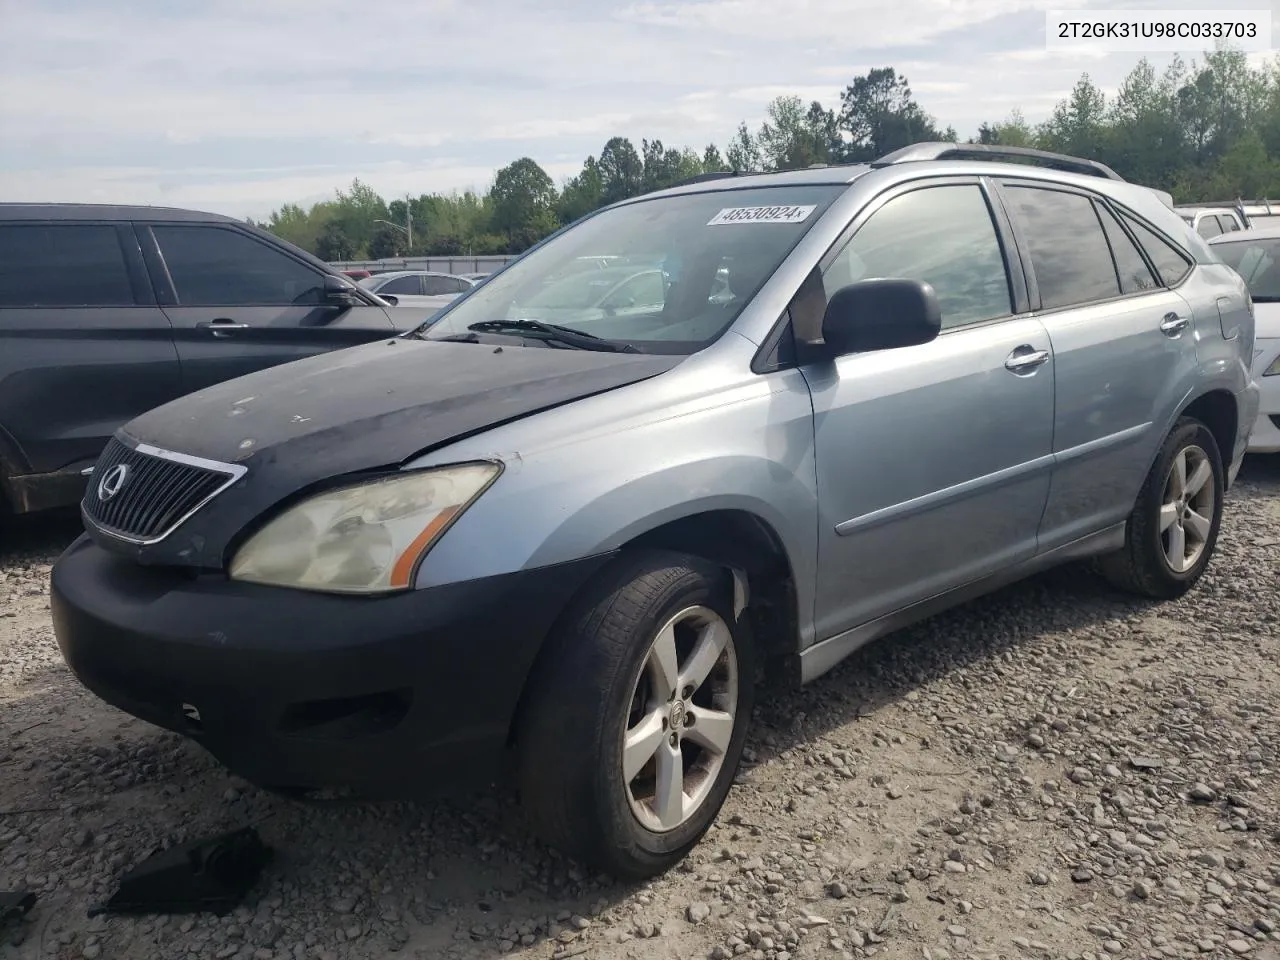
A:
(665, 275)
(1255, 261)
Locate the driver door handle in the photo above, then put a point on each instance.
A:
(221, 325)
(1025, 359)
(1172, 324)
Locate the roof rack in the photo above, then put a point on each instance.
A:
(1239, 207)
(984, 151)
(1263, 207)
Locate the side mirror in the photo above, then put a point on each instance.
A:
(390, 298)
(340, 292)
(880, 314)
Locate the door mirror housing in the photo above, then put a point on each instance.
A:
(881, 314)
(340, 292)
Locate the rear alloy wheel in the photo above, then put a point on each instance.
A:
(1186, 513)
(1174, 525)
(635, 715)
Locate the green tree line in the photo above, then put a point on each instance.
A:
(1202, 131)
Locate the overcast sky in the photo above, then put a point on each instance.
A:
(237, 106)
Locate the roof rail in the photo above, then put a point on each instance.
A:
(987, 151)
(1232, 204)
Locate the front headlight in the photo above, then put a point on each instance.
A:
(366, 538)
(1274, 369)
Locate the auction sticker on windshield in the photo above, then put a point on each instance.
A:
(776, 214)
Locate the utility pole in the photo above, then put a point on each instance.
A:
(408, 221)
(407, 231)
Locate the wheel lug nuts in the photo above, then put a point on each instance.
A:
(675, 740)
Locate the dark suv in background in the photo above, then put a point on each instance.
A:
(108, 311)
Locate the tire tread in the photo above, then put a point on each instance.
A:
(1133, 567)
(596, 632)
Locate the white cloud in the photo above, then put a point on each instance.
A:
(240, 105)
(827, 93)
(870, 24)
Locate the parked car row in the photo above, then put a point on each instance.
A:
(1255, 255)
(108, 311)
(742, 425)
(419, 288)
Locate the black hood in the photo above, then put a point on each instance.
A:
(363, 408)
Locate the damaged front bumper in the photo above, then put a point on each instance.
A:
(393, 696)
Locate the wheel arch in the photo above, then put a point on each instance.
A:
(751, 551)
(1216, 409)
(12, 464)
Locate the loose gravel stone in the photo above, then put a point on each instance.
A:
(928, 798)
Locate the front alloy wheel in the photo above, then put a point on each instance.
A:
(635, 714)
(683, 714)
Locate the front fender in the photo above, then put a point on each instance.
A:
(562, 497)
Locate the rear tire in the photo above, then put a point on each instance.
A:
(636, 715)
(1173, 529)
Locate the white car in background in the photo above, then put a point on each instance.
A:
(1255, 255)
(1213, 221)
(418, 288)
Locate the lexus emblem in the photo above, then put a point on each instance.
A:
(112, 481)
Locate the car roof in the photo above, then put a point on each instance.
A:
(385, 274)
(1255, 233)
(904, 169)
(106, 211)
(1199, 209)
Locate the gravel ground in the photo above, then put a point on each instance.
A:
(1054, 771)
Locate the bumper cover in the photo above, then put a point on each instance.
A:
(394, 696)
(1264, 434)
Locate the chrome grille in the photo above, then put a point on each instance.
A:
(142, 493)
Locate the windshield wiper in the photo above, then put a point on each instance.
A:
(553, 331)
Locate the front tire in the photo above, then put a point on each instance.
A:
(1173, 529)
(636, 715)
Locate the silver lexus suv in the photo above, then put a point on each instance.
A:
(549, 538)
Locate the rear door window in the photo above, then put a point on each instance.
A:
(217, 266)
(63, 265)
(1070, 255)
(402, 286)
(440, 286)
(1208, 227)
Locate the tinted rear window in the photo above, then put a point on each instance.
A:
(62, 265)
(1069, 250)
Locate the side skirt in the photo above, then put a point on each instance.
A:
(822, 656)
